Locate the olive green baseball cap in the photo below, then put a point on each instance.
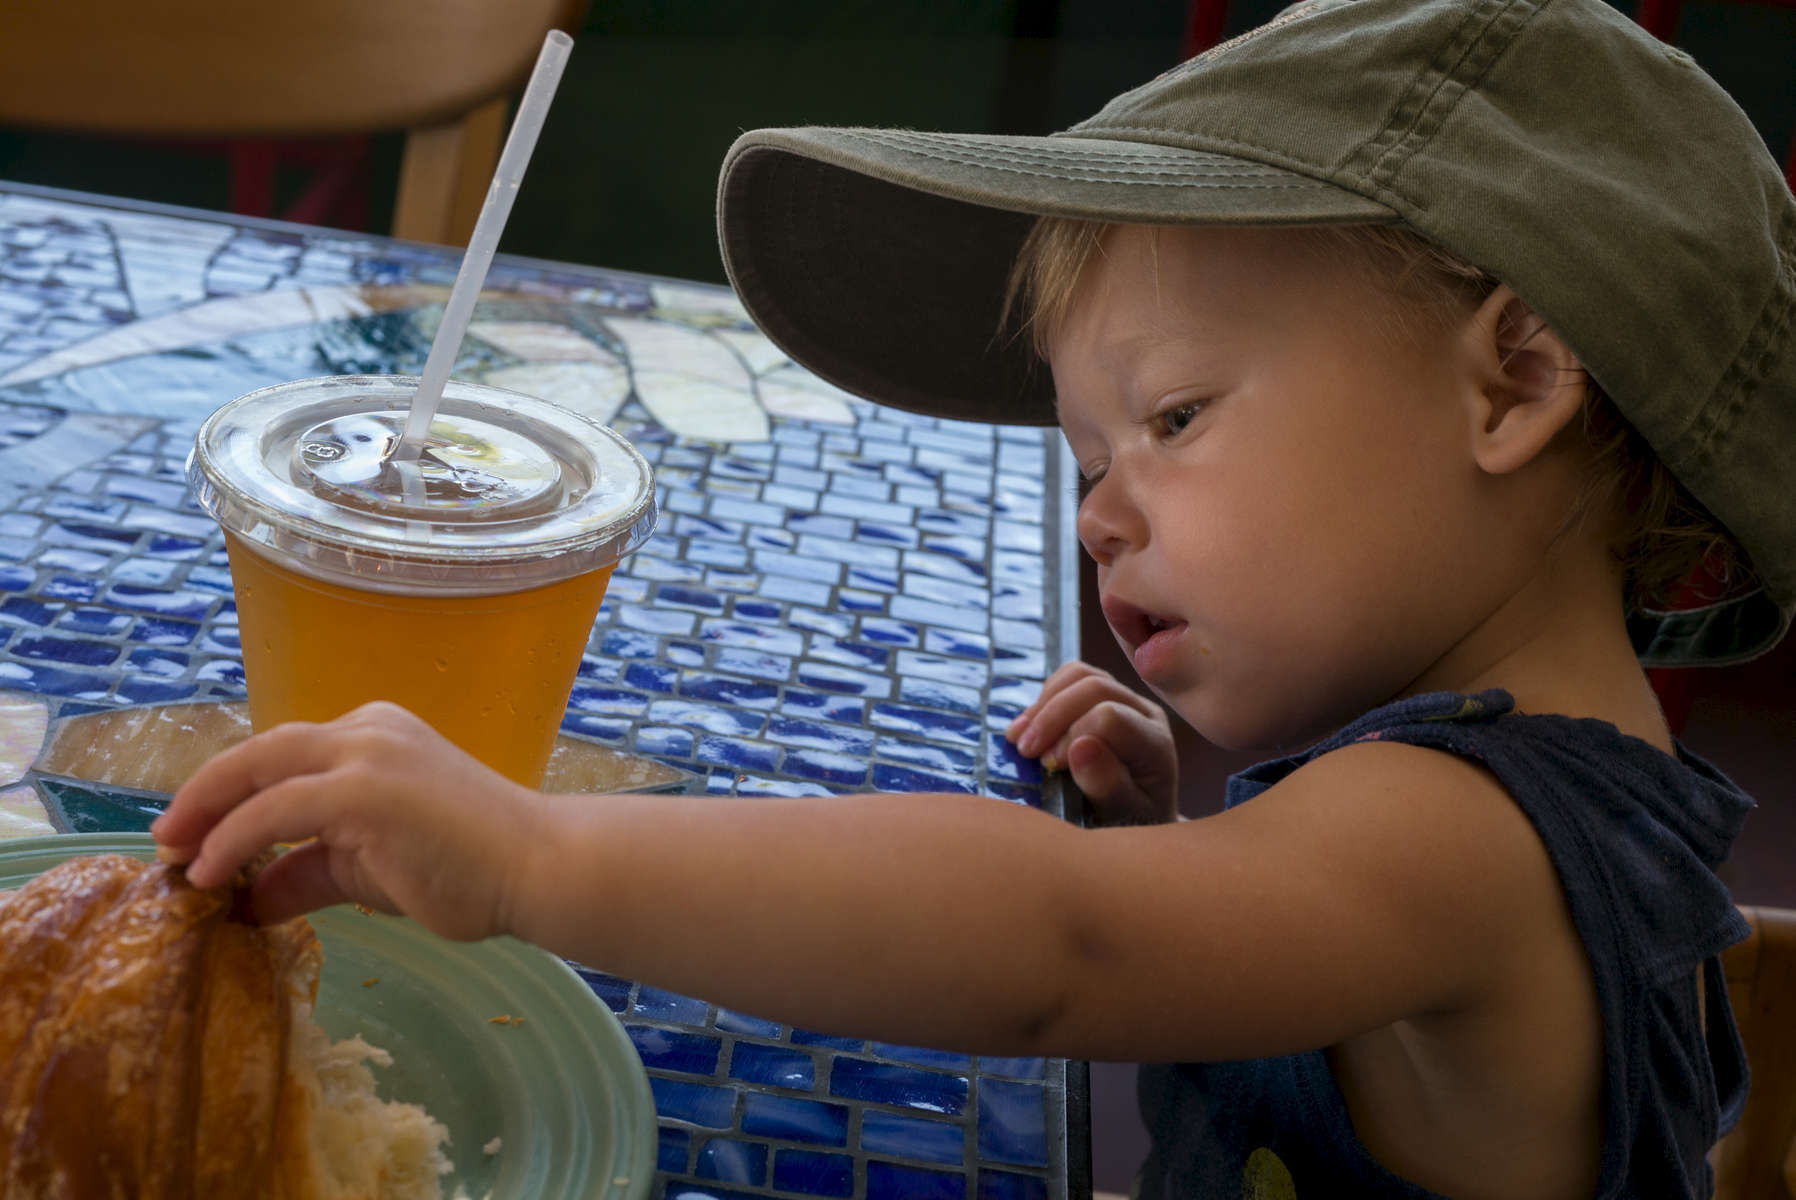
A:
(1595, 170)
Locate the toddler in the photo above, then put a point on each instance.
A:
(1415, 355)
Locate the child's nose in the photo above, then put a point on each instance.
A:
(1109, 522)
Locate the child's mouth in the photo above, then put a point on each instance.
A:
(1149, 637)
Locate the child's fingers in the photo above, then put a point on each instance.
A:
(1141, 742)
(293, 810)
(1106, 782)
(1057, 714)
(296, 883)
(1062, 678)
(231, 776)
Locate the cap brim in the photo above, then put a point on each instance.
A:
(879, 258)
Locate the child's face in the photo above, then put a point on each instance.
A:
(1285, 508)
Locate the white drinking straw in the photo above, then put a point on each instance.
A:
(484, 241)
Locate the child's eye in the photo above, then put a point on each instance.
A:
(1174, 420)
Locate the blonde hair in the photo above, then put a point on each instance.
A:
(1664, 537)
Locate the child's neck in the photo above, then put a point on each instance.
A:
(1559, 644)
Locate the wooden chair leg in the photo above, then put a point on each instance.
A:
(444, 175)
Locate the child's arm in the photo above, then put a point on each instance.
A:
(1395, 881)
(1116, 743)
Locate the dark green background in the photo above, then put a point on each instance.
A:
(625, 172)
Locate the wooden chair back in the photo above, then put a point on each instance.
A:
(441, 70)
(1757, 1161)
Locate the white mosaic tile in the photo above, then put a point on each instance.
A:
(593, 389)
(23, 721)
(22, 814)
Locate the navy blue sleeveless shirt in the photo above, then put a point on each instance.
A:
(1635, 835)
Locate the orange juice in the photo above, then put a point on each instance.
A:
(490, 673)
(460, 582)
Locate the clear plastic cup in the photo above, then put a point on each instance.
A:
(462, 585)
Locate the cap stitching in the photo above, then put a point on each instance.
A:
(1049, 152)
(1174, 179)
(1168, 164)
(1715, 419)
(1448, 78)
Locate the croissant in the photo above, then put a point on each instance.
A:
(154, 1044)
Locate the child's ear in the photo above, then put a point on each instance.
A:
(1534, 386)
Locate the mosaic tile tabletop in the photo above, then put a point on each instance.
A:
(839, 598)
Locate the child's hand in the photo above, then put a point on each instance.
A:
(1116, 743)
(403, 821)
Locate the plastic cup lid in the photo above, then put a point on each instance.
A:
(510, 491)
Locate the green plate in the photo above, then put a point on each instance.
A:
(564, 1090)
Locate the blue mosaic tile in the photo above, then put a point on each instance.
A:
(613, 991)
(913, 1137)
(99, 538)
(973, 549)
(1015, 1068)
(659, 1004)
(872, 579)
(165, 663)
(70, 587)
(772, 1066)
(1003, 762)
(16, 579)
(922, 1056)
(672, 1147)
(709, 717)
(799, 591)
(668, 1050)
(891, 633)
(804, 1037)
(737, 753)
(813, 735)
(222, 671)
(137, 689)
(152, 631)
(813, 1174)
(840, 770)
(903, 1087)
(664, 742)
(841, 679)
(594, 725)
(179, 603)
(93, 620)
(825, 706)
(753, 662)
(655, 620)
(791, 1119)
(731, 1161)
(622, 643)
(213, 579)
(1013, 1123)
(929, 612)
(689, 597)
(735, 1022)
(889, 778)
(1009, 1185)
(892, 1181)
(933, 692)
(825, 526)
(702, 686)
(609, 701)
(926, 722)
(852, 654)
(943, 759)
(699, 1104)
(830, 624)
(599, 670)
(66, 650)
(651, 678)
